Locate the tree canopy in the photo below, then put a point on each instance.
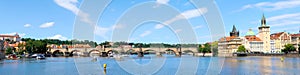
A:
(241, 49)
(288, 48)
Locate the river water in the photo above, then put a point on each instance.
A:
(167, 65)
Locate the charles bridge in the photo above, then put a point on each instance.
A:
(100, 51)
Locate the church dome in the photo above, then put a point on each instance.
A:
(250, 33)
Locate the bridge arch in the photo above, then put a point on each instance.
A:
(57, 53)
(149, 51)
(130, 51)
(74, 51)
(114, 51)
(189, 52)
(170, 51)
(94, 53)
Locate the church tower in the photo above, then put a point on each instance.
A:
(234, 32)
(264, 34)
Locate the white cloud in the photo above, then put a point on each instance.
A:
(285, 19)
(58, 36)
(47, 24)
(159, 2)
(272, 6)
(84, 17)
(71, 5)
(27, 25)
(101, 31)
(178, 30)
(162, 1)
(145, 33)
(185, 15)
(117, 26)
(198, 27)
(68, 4)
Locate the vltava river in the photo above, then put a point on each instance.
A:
(259, 65)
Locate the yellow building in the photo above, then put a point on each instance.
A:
(279, 39)
(295, 40)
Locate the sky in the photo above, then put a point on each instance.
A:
(54, 19)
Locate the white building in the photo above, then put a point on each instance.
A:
(252, 43)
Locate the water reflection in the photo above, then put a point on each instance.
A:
(84, 65)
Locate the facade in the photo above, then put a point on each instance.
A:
(295, 40)
(15, 37)
(264, 35)
(229, 45)
(279, 40)
(252, 43)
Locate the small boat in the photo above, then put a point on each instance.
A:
(12, 57)
(40, 56)
(111, 54)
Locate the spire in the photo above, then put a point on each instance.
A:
(263, 20)
(233, 28)
(234, 32)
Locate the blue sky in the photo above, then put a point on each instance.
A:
(54, 19)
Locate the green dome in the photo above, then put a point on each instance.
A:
(250, 33)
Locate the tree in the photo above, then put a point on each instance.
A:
(214, 46)
(241, 49)
(9, 50)
(288, 48)
(205, 49)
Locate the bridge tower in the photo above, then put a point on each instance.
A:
(140, 53)
(179, 50)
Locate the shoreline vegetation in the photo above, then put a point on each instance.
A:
(34, 46)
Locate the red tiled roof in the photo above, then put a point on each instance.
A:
(252, 38)
(276, 35)
(295, 35)
(228, 38)
(7, 36)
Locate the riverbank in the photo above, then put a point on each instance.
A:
(267, 54)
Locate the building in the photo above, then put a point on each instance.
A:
(15, 37)
(252, 43)
(234, 32)
(229, 45)
(295, 40)
(279, 40)
(264, 35)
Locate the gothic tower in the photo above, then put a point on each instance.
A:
(234, 32)
(264, 34)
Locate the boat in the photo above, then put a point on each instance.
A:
(40, 56)
(12, 57)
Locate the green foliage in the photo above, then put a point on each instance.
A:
(288, 48)
(205, 49)
(61, 42)
(9, 50)
(241, 49)
(106, 44)
(36, 46)
(214, 46)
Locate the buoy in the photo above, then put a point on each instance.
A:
(282, 59)
(104, 66)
